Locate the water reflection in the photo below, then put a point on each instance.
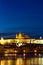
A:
(19, 61)
(23, 61)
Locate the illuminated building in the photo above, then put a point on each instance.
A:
(21, 39)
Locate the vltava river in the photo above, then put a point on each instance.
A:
(23, 61)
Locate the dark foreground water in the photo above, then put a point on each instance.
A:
(23, 61)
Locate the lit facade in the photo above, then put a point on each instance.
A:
(20, 38)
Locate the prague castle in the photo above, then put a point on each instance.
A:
(21, 38)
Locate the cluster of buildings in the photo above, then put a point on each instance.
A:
(21, 38)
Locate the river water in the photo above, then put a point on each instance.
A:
(23, 61)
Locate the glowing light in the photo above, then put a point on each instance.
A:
(40, 37)
(35, 50)
(19, 44)
(2, 40)
(24, 54)
(35, 54)
(15, 51)
(9, 41)
(39, 55)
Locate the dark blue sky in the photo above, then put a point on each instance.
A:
(21, 15)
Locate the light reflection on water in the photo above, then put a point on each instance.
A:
(22, 61)
(19, 60)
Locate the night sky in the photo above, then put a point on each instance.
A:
(21, 16)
